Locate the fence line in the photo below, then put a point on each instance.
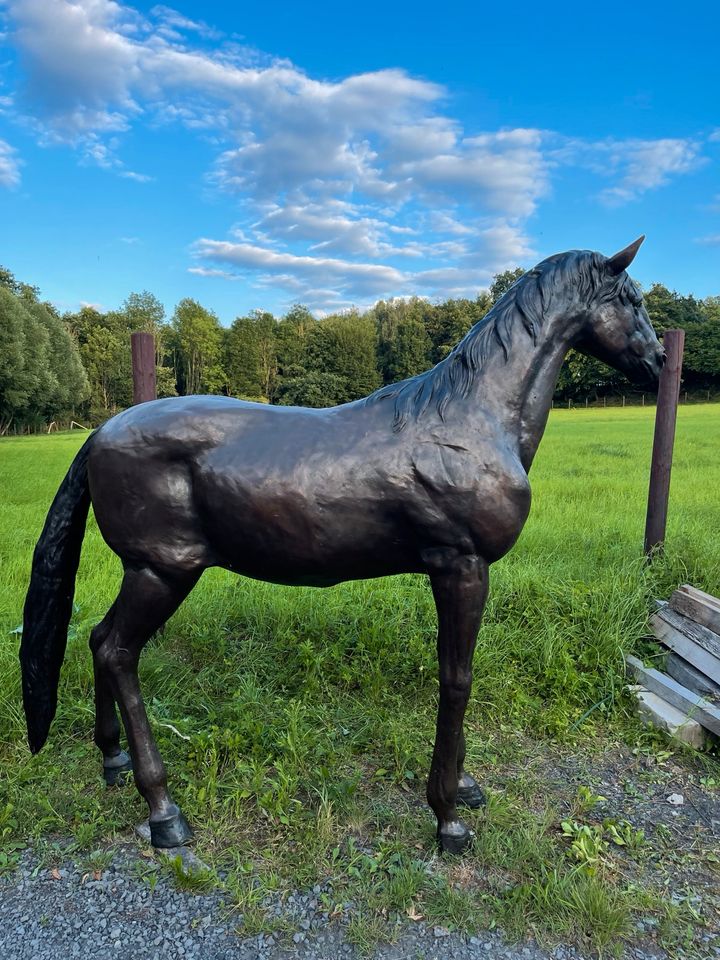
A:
(687, 398)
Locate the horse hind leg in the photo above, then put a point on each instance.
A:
(469, 793)
(116, 762)
(146, 600)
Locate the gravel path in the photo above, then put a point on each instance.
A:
(69, 911)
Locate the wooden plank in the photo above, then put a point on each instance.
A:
(700, 594)
(676, 723)
(700, 709)
(681, 644)
(698, 606)
(692, 678)
(704, 638)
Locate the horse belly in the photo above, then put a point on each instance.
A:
(298, 537)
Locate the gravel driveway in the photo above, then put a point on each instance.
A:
(71, 911)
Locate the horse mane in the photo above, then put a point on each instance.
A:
(525, 304)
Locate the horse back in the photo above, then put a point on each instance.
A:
(295, 495)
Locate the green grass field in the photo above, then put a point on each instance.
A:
(297, 724)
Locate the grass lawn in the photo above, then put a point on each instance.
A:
(297, 724)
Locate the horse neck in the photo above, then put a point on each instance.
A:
(518, 391)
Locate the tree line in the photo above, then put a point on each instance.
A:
(77, 365)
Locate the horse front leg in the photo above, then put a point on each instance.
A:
(460, 586)
(469, 793)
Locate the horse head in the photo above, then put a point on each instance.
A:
(618, 330)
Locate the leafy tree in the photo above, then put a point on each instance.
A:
(143, 311)
(503, 281)
(313, 389)
(198, 346)
(450, 321)
(711, 308)
(104, 341)
(241, 360)
(702, 350)
(16, 380)
(63, 381)
(668, 309)
(404, 345)
(40, 370)
(700, 319)
(582, 376)
(106, 361)
(17, 287)
(266, 334)
(292, 335)
(345, 345)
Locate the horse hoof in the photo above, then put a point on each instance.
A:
(454, 837)
(116, 769)
(173, 831)
(469, 793)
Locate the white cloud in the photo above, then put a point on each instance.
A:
(636, 165)
(710, 241)
(367, 279)
(332, 225)
(494, 248)
(173, 24)
(137, 177)
(648, 164)
(9, 166)
(103, 154)
(505, 172)
(211, 272)
(80, 62)
(345, 189)
(443, 222)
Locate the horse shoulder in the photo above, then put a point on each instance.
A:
(483, 491)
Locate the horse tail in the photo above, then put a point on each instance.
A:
(48, 604)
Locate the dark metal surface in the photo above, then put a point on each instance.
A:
(427, 476)
(663, 441)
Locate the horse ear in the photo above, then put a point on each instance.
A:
(622, 260)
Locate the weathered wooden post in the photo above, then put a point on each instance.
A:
(143, 366)
(665, 417)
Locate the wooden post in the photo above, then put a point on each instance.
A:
(665, 417)
(143, 366)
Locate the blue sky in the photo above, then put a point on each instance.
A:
(332, 154)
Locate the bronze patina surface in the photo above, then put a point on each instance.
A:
(425, 476)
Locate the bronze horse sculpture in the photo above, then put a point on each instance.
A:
(429, 475)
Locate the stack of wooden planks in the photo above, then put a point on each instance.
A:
(685, 701)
